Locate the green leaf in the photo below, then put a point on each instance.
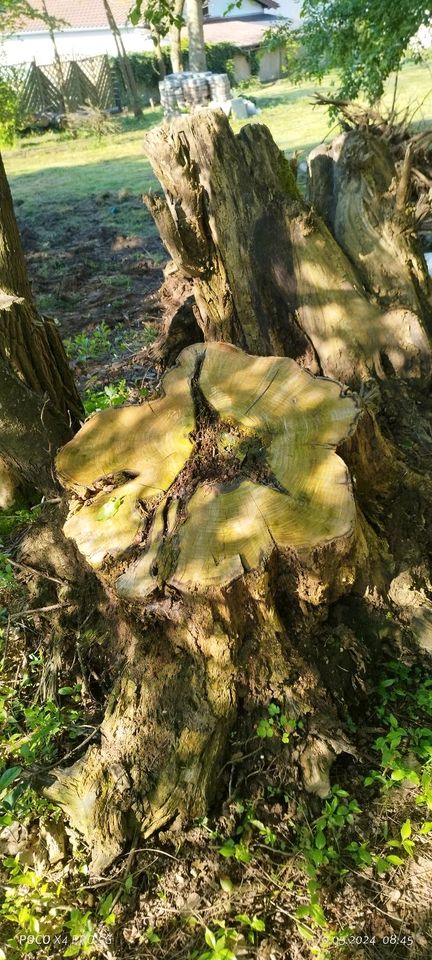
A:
(8, 777)
(210, 938)
(226, 884)
(264, 728)
(151, 935)
(393, 858)
(73, 950)
(128, 884)
(273, 710)
(406, 830)
(242, 854)
(426, 827)
(408, 845)
(228, 849)
(66, 690)
(398, 774)
(258, 925)
(320, 841)
(302, 912)
(305, 932)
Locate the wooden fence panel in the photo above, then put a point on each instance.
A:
(90, 81)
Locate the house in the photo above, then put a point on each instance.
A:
(86, 32)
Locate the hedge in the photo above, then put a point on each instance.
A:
(219, 60)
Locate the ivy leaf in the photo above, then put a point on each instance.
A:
(406, 830)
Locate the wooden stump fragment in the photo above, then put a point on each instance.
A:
(275, 275)
(203, 508)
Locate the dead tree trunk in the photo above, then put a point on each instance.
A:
(230, 513)
(354, 186)
(39, 403)
(203, 509)
(267, 272)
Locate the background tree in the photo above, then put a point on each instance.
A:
(363, 42)
(175, 36)
(124, 63)
(39, 403)
(195, 29)
(166, 16)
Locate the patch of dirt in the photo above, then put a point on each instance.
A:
(96, 260)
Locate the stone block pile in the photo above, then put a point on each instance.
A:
(180, 91)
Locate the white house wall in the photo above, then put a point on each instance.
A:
(290, 9)
(249, 8)
(72, 44)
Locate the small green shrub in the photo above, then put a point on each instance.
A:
(112, 395)
(9, 522)
(11, 114)
(89, 346)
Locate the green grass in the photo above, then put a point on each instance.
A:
(49, 167)
(298, 124)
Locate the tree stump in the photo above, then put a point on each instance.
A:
(267, 272)
(215, 511)
(365, 202)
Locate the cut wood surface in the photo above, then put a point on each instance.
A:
(145, 474)
(200, 508)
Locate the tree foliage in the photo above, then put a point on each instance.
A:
(159, 14)
(12, 11)
(364, 40)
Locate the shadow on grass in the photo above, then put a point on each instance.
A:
(64, 184)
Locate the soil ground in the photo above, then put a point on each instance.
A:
(95, 266)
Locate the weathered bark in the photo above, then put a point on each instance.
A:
(354, 186)
(31, 431)
(266, 270)
(195, 29)
(39, 402)
(193, 665)
(258, 512)
(179, 325)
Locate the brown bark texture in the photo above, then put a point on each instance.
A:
(39, 403)
(277, 275)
